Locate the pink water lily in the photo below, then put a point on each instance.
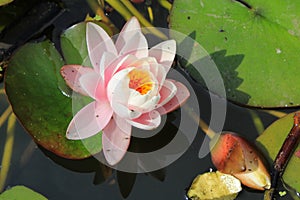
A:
(128, 84)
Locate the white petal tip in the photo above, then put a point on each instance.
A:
(73, 136)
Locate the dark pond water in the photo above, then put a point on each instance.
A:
(60, 179)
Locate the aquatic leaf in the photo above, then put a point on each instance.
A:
(4, 2)
(271, 141)
(73, 43)
(35, 90)
(20, 193)
(215, 186)
(254, 43)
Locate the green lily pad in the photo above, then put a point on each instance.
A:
(21, 193)
(271, 141)
(35, 90)
(255, 45)
(73, 44)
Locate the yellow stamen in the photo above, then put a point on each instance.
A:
(140, 80)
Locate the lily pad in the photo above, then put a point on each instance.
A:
(215, 186)
(35, 90)
(271, 141)
(20, 193)
(73, 44)
(4, 2)
(254, 43)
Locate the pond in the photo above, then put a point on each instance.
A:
(58, 178)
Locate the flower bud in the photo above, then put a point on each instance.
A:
(232, 154)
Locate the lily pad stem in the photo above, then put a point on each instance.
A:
(257, 121)
(164, 3)
(2, 91)
(8, 147)
(275, 113)
(120, 8)
(285, 152)
(5, 115)
(127, 10)
(204, 127)
(98, 9)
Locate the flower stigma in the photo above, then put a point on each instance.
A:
(140, 81)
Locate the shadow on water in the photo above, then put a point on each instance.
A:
(198, 64)
(125, 180)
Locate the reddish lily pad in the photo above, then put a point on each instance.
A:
(35, 90)
(254, 43)
(271, 141)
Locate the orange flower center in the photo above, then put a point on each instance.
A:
(140, 80)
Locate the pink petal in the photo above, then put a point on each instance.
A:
(119, 64)
(98, 42)
(164, 53)
(158, 71)
(115, 142)
(129, 29)
(123, 110)
(179, 99)
(150, 63)
(147, 121)
(167, 92)
(118, 86)
(90, 120)
(122, 124)
(72, 73)
(90, 83)
(136, 45)
(118, 93)
(106, 60)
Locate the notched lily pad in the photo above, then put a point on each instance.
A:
(35, 90)
(254, 43)
(271, 141)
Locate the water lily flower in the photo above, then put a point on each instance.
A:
(128, 84)
(232, 154)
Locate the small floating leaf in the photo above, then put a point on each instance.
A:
(21, 193)
(4, 2)
(214, 186)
